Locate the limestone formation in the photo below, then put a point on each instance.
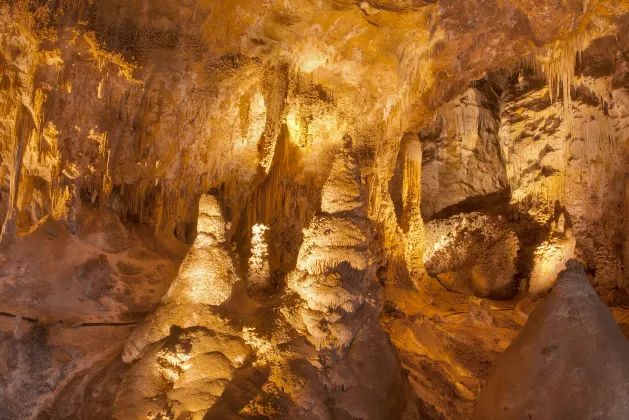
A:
(411, 221)
(548, 260)
(311, 210)
(335, 277)
(183, 375)
(474, 254)
(569, 361)
(205, 279)
(336, 306)
(461, 148)
(185, 354)
(259, 273)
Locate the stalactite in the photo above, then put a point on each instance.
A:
(557, 62)
(24, 126)
(276, 91)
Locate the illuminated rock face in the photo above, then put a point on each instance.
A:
(570, 360)
(473, 254)
(565, 159)
(462, 156)
(457, 196)
(335, 275)
(551, 257)
(185, 354)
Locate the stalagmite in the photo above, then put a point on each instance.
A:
(569, 361)
(342, 191)
(205, 279)
(334, 274)
(258, 275)
(338, 299)
(551, 257)
(185, 354)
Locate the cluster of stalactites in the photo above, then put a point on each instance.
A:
(557, 62)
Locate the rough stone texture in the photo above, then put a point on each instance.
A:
(462, 155)
(206, 278)
(117, 118)
(569, 361)
(547, 146)
(95, 276)
(548, 260)
(473, 254)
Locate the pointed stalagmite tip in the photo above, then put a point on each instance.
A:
(574, 265)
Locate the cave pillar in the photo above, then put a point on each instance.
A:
(412, 222)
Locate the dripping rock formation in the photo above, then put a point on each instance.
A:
(287, 209)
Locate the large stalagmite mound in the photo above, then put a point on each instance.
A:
(187, 353)
(569, 361)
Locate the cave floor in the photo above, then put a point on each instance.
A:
(90, 300)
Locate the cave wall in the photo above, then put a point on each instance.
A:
(129, 100)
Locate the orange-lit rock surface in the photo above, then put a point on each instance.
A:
(298, 209)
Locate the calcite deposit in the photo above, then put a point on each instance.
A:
(570, 342)
(332, 209)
